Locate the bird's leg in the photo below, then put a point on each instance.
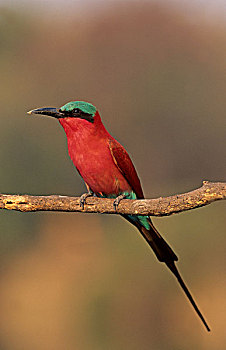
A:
(83, 197)
(118, 200)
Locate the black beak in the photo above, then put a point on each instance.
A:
(52, 112)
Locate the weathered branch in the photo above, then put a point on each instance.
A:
(206, 194)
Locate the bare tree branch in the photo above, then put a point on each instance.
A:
(206, 194)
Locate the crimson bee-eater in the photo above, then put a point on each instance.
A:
(108, 172)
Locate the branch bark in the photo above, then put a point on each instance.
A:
(206, 194)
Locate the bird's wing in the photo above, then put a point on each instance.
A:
(125, 165)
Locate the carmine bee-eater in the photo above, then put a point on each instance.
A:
(108, 172)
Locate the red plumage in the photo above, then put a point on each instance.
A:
(102, 162)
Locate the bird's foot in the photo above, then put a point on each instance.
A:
(118, 200)
(82, 200)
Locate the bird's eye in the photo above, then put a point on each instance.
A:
(76, 110)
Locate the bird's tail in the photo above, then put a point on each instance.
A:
(165, 254)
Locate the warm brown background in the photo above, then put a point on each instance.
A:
(71, 281)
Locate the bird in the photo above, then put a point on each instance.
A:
(108, 172)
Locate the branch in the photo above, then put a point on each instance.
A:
(206, 194)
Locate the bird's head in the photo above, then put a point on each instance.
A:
(76, 116)
(71, 110)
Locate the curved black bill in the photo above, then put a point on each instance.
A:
(50, 111)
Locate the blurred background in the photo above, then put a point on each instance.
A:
(156, 72)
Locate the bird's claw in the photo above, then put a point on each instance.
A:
(118, 200)
(82, 199)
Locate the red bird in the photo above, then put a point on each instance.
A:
(108, 171)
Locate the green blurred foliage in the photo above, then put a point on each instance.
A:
(90, 282)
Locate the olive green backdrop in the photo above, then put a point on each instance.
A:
(157, 75)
